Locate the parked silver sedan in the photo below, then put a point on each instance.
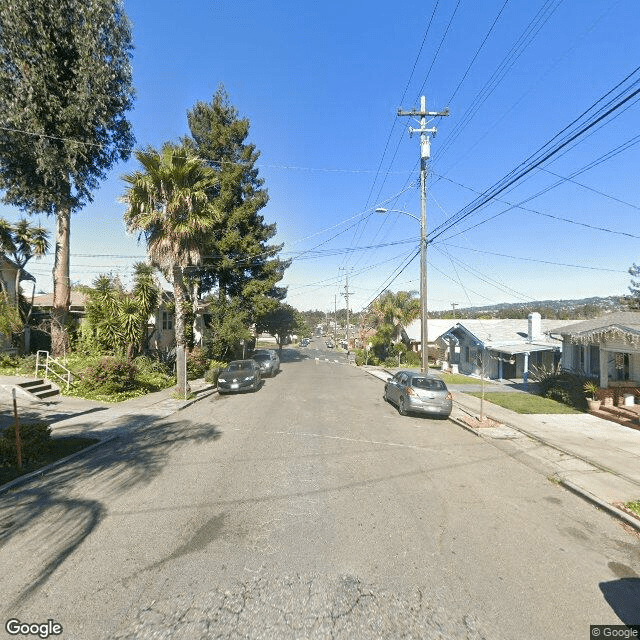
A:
(419, 393)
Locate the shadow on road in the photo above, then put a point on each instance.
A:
(623, 597)
(49, 518)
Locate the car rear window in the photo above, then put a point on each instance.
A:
(430, 384)
(262, 356)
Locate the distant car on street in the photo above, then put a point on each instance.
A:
(268, 361)
(419, 393)
(239, 375)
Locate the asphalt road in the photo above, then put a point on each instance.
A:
(310, 509)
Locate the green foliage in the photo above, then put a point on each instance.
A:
(563, 386)
(227, 330)
(197, 363)
(110, 375)
(219, 135)
(215, 366)
(77, 86)
(591, 389)
(34, 443)
(411, 359)
(281, 322)
(116, 321)
(10, 321)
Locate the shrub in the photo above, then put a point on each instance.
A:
(564, 386)
(34, 439)
(215, 366)
(111, 374)
(411, 359)
(197, 363)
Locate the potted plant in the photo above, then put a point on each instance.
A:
(591, 389)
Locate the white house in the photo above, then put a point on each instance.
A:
(606, 348)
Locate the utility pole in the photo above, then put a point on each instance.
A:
(335, 317)
(346, 294)
(425, 154)
(453, 306)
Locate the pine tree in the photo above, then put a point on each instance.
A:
(238, 262)
(65, 86)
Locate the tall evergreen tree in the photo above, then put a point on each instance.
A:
(238, 262)
(65, 87)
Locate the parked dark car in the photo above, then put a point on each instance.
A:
(419, 393)
(268, 361)
(240, 375)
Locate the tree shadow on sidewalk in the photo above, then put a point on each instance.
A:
(45, 520)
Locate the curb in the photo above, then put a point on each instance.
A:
(40, 472)
(605, 506)
(24, 479)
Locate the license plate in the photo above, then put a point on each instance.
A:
(235, 385)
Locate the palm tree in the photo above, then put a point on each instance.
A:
(19, 243)
(396, 309)
(169, 204)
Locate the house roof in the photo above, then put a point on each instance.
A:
(7, 262)
(624, 325)
(45, 300)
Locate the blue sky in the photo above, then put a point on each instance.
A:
(321, 84)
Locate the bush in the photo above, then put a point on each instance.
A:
(215, 366)
(197, 363)
(564, 386)
(111, 374)
(411, 359)
(35, 439)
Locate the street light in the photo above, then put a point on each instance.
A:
(424, 331)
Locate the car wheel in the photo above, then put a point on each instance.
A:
(402, 409)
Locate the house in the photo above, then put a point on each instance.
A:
(8, 283)
(606, 348)
(411, 335)
(160, 326)
(493, 348)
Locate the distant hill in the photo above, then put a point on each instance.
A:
(549, 309)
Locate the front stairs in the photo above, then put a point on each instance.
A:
(39, 389)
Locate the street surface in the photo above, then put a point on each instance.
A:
(310, 509)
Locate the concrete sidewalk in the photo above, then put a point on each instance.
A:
(67, 415)
(595, 458)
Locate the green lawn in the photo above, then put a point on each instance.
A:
(457, 378)
(525, 402)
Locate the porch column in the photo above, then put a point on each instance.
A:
(604, 371)
(500, 370)
(525, 373)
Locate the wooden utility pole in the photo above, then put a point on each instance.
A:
(425, 154)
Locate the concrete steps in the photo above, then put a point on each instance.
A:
(40, 389)
(620, 415)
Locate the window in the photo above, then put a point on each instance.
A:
(167, 321)
(594, 360)
(578, 358)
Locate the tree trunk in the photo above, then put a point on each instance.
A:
(180, 295)
(61, 284)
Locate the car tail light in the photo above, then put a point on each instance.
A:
(410, 391)
(449, 396)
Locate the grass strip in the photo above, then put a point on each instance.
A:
(525, 402)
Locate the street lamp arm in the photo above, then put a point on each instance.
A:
(406, 213)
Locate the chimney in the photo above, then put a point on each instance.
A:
(535, 326)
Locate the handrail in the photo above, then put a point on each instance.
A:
(47, 366)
